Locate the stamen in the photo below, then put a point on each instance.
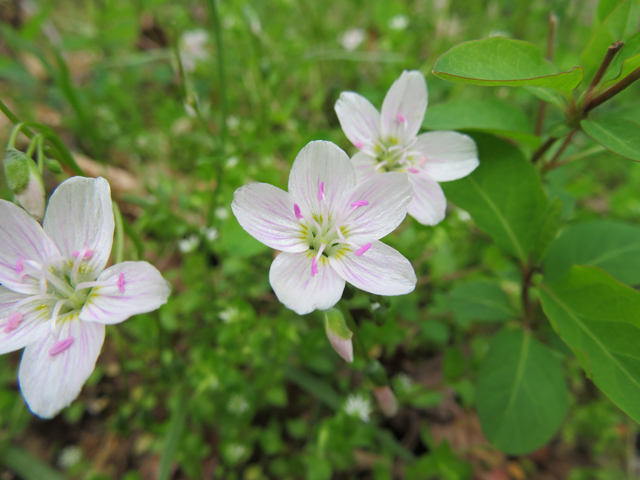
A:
(19, 266)
(423, 161)
(359, 203)
(381, 164)
(121, 283)
(321, 191)
(296, 211)
(88, 253)
(314, 266)
(359, 145)
(414, 170)
(56, 312)
(362, 250)
(60, 346)
(13, 322)
(401, 119)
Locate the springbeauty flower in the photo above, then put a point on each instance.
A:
(56, 296)
(327, 228)
(389, 142)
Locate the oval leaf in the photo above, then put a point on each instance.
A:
(612, 246)
(522, 396)
(490, 116)
(481, 300)
(503, 195)
(600, 317)
(618, 135)
(625, 62)
(498, 61)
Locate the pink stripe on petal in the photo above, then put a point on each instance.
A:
(19, 266)
(321, 191)
(60, 346)
(296, 211)
(362, 250)
(121, 283)
(359, 203)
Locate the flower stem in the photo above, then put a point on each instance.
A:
(552, 163)
(613, 91)
(353, 326)
(119, 237)
(543, 148)
(606, 61)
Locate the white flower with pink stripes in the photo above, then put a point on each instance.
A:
(389, 142)
(327, 228)
(56, 296)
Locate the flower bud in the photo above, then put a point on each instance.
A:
(25, 181)
(338, 333)
(375, 374)
(386, 400)
(53, 165)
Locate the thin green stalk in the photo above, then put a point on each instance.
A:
(353, 326)
(119, 233)
(41, 154)
(223, 110)
(172, 440)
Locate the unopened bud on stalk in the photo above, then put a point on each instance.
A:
(338, 333)
(386, 400)
(53, 165)
(25, 181)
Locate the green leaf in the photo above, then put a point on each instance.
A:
(617, 135)
(238, 242)
(26, 465)
(490, 116)
(481, 300)
(625, 62)
(612, 246)
(548, 229)
(498, 61)
(522, 396)
(600, 317)
(619, 24)
(503, 195)
(172, 440)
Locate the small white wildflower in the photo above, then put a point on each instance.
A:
(189, 244)
(189, 110)
(404, 381)
(233, 122)
(358, 406)
(234, 452)
(399, 22)
(237, 404)
(375, 306)
(464, 215)
(193, 48)
(232, 162)
(352, 38)
(229, 315)
(69, 456)
(222, 213)
(211, 234)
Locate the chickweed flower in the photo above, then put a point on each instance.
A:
(327, 228)
(56, 296)
(389, 142)
(358, 406)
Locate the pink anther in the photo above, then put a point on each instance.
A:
(19, 266)
(423, 161)
(60, 346)
(314, 266)
(296, 211)
(362, 250)
(359, 203)
(121, 283)
(400, 118)
(88, 253)
(321, 191)
(13, 322)
(414, 170)
(359, 145)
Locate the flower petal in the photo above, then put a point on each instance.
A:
(381, 270)
(429, 203)
(320, 175)
(268, 214)
(22, 239)
(49, 382)
(365, 166)
(404, 107)
(359, 119)
(377, 206)
(134, 287)
(447, 155)
(80, 217)
(291, 279)
(24, 325)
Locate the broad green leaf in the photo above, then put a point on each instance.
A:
(625, 62)
(619, 24)
(521, 396)
(27, 465)
(605, 7)
(481, 300)
(548, 229)
(617, 135)
(498, 61)
(549, 96)
(600, 317)
(503, 195)
(491, 116)
(612, 246)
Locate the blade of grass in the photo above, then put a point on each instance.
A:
(172, 440)
(27, 466)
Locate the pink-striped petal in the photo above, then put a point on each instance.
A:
(24, 325)
(79, 218)
(447, 155)
(359, 119)
(129, 288)
(54, 369)
(269, 215)
(22, 239)
(382, 270)
(404, 107)
(429, 203)
(365, 166)
(293, 284)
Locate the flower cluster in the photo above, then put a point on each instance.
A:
(56, 295)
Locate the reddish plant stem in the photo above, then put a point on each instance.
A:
(543, 148)
(613, 91)
(551, 41)
(551, 164)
